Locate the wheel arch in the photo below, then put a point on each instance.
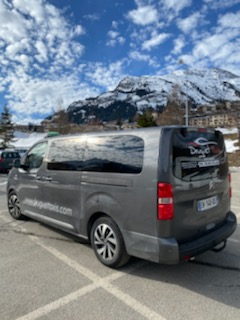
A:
(11, 189)
(92, 219)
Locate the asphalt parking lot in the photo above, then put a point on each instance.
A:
(47, 274)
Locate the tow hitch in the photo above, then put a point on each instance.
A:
(220, 246)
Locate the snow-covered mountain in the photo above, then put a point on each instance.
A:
(134, 94)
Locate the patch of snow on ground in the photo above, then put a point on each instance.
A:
(228, 130)
(230, 145)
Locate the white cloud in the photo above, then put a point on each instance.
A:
(13, 48)
(115, 24)
(38, 57)
(113, 34)
(219, 48)
(34, 9)
(40, 96)
(106, 76)
(230, 20)
(155, 40)
(24, 60)
(12, 27)
(42, 50)
(212, 44)
(176, 5)
(136, 55)
(139, 56)
(92, 17)
(144, 15)
(179, 44)
(114, 39)
(218, 4)
(190, 23)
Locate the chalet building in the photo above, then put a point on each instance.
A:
(29, 128)
(226, 119)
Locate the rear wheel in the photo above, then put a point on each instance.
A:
(13, 206)
(108, 244)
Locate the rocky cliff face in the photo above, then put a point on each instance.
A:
(134, 94)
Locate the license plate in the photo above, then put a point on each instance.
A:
(207, 204)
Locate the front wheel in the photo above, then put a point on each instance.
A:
(108, 244)
(13, 206)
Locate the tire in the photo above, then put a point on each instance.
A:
(13, 206)
(108, 244)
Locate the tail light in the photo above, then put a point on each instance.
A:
(165, 201)
(230, 187)
(1, 159)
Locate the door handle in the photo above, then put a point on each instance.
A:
(43, 178)
(47, 178)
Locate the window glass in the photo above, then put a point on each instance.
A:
(122, 154)
(199, 154)
(35, 156)
(66, 154)
(10, 155)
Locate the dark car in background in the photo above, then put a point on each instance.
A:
(7, 158)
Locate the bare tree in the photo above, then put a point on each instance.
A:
(61, 122)
(173, 113)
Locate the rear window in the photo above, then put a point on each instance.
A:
(199, 154)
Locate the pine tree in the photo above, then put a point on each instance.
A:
(6, 128)
(146, 119)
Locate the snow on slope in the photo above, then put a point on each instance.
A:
(201, 87)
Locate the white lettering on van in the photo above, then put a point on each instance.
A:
(201, 147)
(201, 152)
(48, 206)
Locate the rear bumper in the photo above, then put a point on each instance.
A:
(169, 251)
(172, 253)
(210, 240)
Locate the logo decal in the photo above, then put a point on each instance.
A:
(211, 185)
(201, 147)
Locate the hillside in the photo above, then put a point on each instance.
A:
(134, 94)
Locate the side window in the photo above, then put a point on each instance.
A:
(121, 154)
(66, 154)
(35, 156)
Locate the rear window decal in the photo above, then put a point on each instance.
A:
(199, 156)
(201, 147)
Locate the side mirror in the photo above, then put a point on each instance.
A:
(17, 163)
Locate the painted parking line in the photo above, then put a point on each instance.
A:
(233, 240)
(98, 282)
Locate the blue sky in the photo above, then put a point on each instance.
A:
(54, 52)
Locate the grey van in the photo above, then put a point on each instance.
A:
(161, 194)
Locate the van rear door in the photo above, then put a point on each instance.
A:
(200, 182)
